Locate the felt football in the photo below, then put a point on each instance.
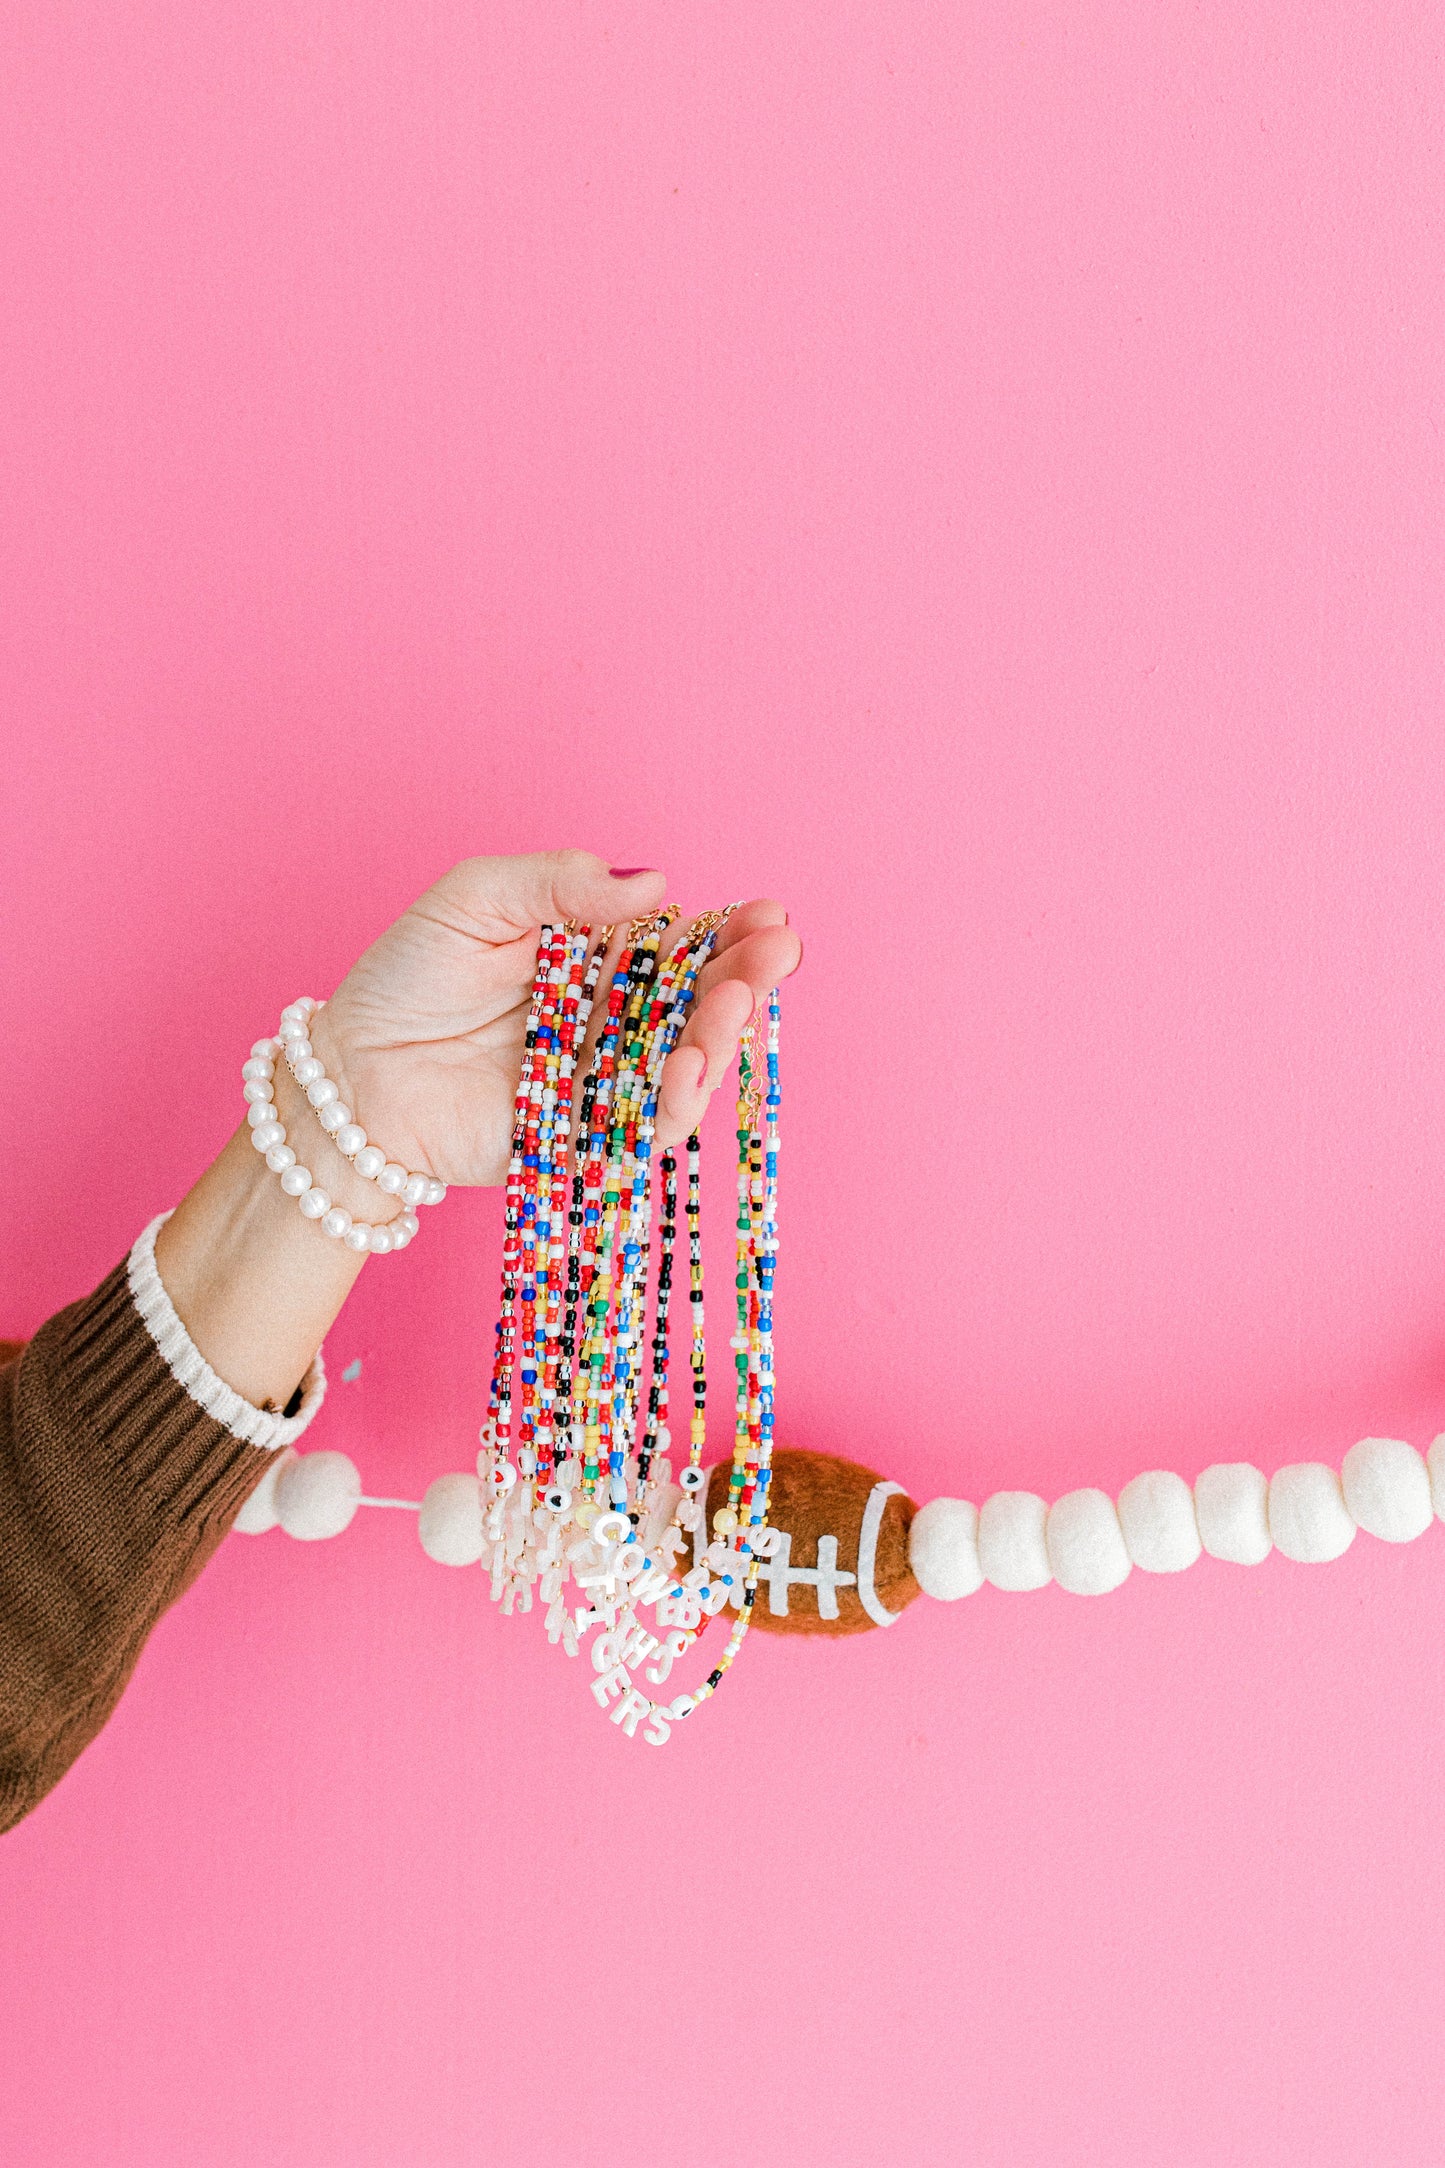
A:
(840, 1562)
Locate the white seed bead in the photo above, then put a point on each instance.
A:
(1156, 1513)
(315, 1203)
(350, 1138)
(296, 1181)
(257, 1068)
(260, 1110)
(392, 1179)
(336, 1222)
(1231, 1505)
(435, 1192)
(1011, 1546)
(257, 1092)
(280, 1157)
(266, 1136)
(450, 1521)
(265, 1050)
(416, 1188)
(1387, 1489)
(1308, 1518)
(317, 1495)
(369, 1161)
(943, 1549)
(333, 1116)
(358, 1236)
(1086, 1543)
(379, 1241)
(1435, 1462)
(308, 1070)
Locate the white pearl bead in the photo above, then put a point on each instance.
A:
(265, 1050)
(400, 1235)
(296, 1181)
(450, 1521)
(1308, 1518)
(350, 1138)
(266, 1135)
(435, 1192)
(1231, 1505)
(307, 1071)
(317, 1495)
(416, 1188)
(943, 1549)
(392, 1179)
(333, 1116)
(308, 1002)
(322, 1092)
(1086, 1543)
(315, 1204)
(1387, 1489)
(280, 1157)
(369, 1161)
(257, 1092)
(298, 1050)
(336, 1222)
(291, 1027)
(257, 1068)
(296, 1009)
(410, 1221)
(260, 1110)
(358, 1236)
(379, 1241)
(1156, 1513)
(1011, 1546)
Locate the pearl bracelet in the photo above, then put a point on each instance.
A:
(369, 1160)
(268, 1136)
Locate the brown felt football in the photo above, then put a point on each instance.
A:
(820, 1505)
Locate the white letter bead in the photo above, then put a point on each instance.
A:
(307, 1070)
(1231, 1505)
(358, 1236)
(1435, 1462)
(1308, 1518)
(296, 1181)
(336, 1222)
(350, 1138)
(369, 1161)
(321, 1092)
(266, 1136)
(416, 1189)
(317, 1495)
(1086, 1543)
(450, 1522)
(315, 1204)
(1156, 1513)
(943, 1549)
(259, 1512)
(257, 1093)
(1011, 1547)
(260, 1111)
(334, 1116)
(392, 1179)
(280, 1157)
(1387, 1489)
(379, 1241)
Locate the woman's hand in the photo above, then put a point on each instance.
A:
(424, 1035)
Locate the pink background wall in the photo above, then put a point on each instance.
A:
(975, 473)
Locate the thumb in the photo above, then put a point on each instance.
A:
(502, 898)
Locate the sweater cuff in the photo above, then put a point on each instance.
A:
(252, 1425)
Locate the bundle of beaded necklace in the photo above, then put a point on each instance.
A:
(571, 1491)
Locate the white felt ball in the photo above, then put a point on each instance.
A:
(317, 1495)
(450, 1522)
(1435, 1462)
(1086, 1543)
(943, 1549)
(1011, 1547)
(1387, 1489)
(1231, 1505)
(259, 1512)
(1308, 1518)
(1156, 1513)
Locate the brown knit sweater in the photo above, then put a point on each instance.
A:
(115, 1488)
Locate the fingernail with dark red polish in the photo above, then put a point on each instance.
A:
(629, 873)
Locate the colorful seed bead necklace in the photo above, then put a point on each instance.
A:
(577, 1490)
